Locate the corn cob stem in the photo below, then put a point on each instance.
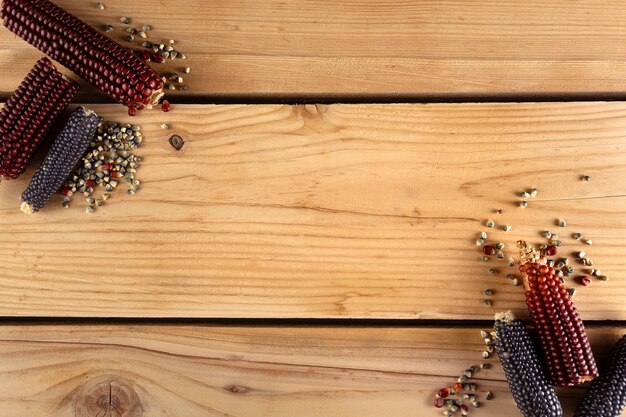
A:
(529, 384)
(94, 57)
(606, 396)
(66, 151)
(28, 115)
(562, 333)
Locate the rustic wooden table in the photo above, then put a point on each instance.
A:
(319, 259)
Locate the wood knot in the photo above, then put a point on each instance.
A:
(106, 396)
(177, 142)
(236, 389)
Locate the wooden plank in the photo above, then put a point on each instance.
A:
(368, 49)
(328, 211)
(248, 371)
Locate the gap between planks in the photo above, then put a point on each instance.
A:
(329, 99)
(274, 322)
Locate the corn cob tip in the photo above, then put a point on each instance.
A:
(86, 111)
(505, 316)
(27, 208)
(155, 98)
(527, 253)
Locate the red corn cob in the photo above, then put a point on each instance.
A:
(561, 331)
(94, 57)
(28, 115)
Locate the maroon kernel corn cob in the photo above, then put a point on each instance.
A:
(561, 331)
(94, 57)
(28, 115)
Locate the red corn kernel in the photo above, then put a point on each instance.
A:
(487, 250)
(66, 191)
(439, 402)
(457, 387)
(116, 174)
(166, 106)
(551, 250)
(90, 183)
(443, 393)
(464, 409)
(132, 111)
(584, 280)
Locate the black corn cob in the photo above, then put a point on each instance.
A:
(66, 151)
(606, 396)
(532, 391)
(28, 115)
(94, 57)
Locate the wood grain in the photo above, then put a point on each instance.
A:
(249, 371)
(367, 211)
(367, 49)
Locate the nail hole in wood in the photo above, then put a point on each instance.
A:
(177, 142)
(236, 389)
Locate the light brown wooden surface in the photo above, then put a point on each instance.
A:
(250, 371)
(342, 211)
(328, 211)
(371, 49)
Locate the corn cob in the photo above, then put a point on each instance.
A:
(66, 151)
(606, 396)
(94, 57)
(28, 115)
(529, 384)
(561, 331)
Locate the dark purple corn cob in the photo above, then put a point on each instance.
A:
(532, 391)
(606, 396)
(561, 331)
(28, 115)
(66, 151)
(94, 57)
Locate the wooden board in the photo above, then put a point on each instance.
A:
(368, 49)
(248, 371)
(328, 211)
